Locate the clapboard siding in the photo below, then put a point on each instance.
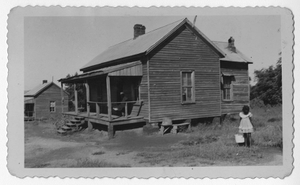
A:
(184, 52)
(240, 87)
(42, 102)
(144, 91)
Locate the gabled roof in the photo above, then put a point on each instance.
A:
(39, 89)
(230, 55)
(142, 45)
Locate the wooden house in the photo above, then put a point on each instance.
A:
(235, 83)
(174, 71)
(44, 101)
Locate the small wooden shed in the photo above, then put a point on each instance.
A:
(174, 71)
(45, 101)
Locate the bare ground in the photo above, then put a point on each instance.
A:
(45, 148)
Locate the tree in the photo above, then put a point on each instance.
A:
(81, 92)
(269, 84)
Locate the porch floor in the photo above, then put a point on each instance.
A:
(103, 118)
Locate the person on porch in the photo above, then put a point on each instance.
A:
(119, 109)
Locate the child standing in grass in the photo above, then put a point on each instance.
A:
(246, 126)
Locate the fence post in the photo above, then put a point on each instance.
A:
(126, 110)
(97, 110)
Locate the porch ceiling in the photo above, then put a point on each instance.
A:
(127, 69)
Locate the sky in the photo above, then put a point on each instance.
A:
(57, 46)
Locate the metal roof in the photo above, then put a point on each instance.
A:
(102, 71)
(230, 55)
(39, 89)
(142, 44)
(35, 91)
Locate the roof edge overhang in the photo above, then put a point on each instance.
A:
(113, 62)
(43, 89)
(83, 77)
(225, 60)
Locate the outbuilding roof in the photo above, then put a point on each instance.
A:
(232, 56)
(143, 45)
(38, 89)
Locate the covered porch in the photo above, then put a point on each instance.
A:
(112, 96)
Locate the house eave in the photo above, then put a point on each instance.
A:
(113, 62)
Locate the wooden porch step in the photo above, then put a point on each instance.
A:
(66, 128)
(75, 121)
(79, 118)
(69, 124)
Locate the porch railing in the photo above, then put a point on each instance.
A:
(98, 106)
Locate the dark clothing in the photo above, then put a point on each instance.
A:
(120, 108)
(247, 137)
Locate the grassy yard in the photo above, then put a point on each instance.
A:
(208, 144)
(211, 143)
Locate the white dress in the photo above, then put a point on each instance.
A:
(245, 124)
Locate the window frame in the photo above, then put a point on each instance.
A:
(54, 107)
(230, 77)
(193, 97)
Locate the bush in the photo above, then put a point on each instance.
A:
(271, 135)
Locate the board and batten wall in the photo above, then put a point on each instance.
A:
(240, 86)
(184, 51)
(42, 102)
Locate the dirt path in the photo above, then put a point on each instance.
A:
(44, 148)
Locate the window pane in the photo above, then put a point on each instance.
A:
(226, 93)
(189, 79)
(189, 94)
(184, 94)
(184, 79)
(187, 87)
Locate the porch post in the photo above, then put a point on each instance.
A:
(108, 97)
(110, 127)
(90, 126)
(76, 99)
(62, 97)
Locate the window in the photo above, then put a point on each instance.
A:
(52, 106)
(227, 87)
(187, 87)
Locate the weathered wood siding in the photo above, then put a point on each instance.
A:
(184, 51)
(42, 103)
(240, 86)
(131, 71)
(143, 89)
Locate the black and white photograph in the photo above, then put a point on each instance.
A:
(182, 91)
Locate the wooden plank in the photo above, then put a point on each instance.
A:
(110, 128)
(109, 106)
(130, 71)
(148, 91)
(62, 96)
(90, 126)
(76, 98)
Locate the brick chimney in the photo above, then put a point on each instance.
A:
(231, 44)
(138, 30)
(45, 81)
